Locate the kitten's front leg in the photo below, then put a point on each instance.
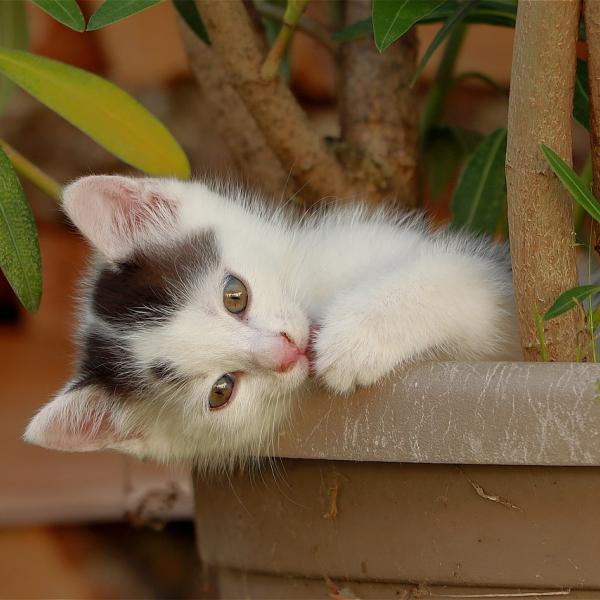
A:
(458, 306)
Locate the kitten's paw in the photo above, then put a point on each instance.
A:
(347, 358)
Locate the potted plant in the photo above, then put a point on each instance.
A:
(450, 479)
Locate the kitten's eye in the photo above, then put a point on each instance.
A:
(221, 391)
(235, 295)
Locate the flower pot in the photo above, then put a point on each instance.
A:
(476, 476)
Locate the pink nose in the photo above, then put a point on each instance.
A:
(290, 354)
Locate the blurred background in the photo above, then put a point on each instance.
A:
(101, 525)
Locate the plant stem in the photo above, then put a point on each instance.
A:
(305, 24)
(377, 109)
(279, 116)
(539, 323)
(33, 173)
(293, 12)
(578, 212)
(539, 212)
(591, 325)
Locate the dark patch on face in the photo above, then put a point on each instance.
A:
(107, 363)
(150, 285)
(165, 372)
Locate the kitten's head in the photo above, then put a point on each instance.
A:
(193, 338)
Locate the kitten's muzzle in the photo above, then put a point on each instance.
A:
(277, 352)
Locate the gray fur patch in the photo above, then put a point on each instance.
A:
(164, 371)
(106, 363)
(149, 286)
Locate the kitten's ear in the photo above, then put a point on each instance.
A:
(81, 418)
(116, 213)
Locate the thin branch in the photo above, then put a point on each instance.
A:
(492, 497)
(592, 34)
(442, 83)
(33, 173)
(277, 113)
(379, 113)
(293, 12)
(246, 143)
(539, 209)
(305, 24)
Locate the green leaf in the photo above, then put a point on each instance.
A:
(393, 18)
(66, 12)
(569, 299)
(19, 248)
(100, 109)
(442, 82)
(573, 183)
(581, 98)
(449, 25)
(489, 12)
(112, 11)
(13, 34)
(481, 190)
(189, 13)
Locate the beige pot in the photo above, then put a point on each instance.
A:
(364, 508)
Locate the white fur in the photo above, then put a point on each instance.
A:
(382, 291)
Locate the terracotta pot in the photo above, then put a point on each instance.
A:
(516, 504)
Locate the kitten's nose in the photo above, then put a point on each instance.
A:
(276, 352)
(290, 353)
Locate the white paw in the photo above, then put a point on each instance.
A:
(348, 357)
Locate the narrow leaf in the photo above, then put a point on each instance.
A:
(569, 299)
(489, 12)
(66, 12)
(573, 183)
(442, 82)
(392, 19)
(112, 11)
(100, 109)
(13, 34)
(19, 248)
(481, 190)
(189, 13)
(581, 97)
(449, 25)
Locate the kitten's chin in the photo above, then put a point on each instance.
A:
(298, 373)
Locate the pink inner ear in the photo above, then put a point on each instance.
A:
(79, 420)
(115, 212)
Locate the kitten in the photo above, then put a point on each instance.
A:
(205, 313)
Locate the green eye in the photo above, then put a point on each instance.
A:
(221, 391)
(235, 295)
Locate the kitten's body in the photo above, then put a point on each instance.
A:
(378, 290)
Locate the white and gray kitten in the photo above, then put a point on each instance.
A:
(206, 313)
